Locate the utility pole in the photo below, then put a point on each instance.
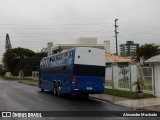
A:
(116, 35)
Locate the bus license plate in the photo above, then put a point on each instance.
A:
(89, 88)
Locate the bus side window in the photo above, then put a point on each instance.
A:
(64, 67)
(50, 59)
(57, 57)
(53, 58)
(70, 54)
(47, 61)
(60, 56)
(65, 54)
(43, 63)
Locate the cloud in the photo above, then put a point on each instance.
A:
(33, 23)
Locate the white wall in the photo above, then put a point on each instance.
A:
(107, 46)
(157, 79)
(49, 45)
(133, 71)
(116, 70)
(87, 40)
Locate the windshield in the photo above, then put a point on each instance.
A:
(89, 70)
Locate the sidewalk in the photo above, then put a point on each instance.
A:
(152, 104)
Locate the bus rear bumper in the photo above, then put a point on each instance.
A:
(88, 90)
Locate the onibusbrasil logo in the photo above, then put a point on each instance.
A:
(21, 114)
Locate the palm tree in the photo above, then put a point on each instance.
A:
(147, 51)
(139, 84)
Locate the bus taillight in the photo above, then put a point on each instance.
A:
(103, 80)
(73, 79)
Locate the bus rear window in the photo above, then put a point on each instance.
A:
(89, 70)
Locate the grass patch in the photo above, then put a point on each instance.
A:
(126, 94)
(29, 82)
(10, 78)
(16, 78)
(25, 80)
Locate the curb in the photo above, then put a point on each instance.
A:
(150, 109)
(111, 102)
(134, 108)
(101, 99)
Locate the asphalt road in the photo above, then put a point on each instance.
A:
(16, 96)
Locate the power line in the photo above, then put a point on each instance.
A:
(134, 25)
(146, 33)
(54, 28)
(141, 37)
(95, 31)
(54, 25)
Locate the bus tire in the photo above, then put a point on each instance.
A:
(59, 90)
(42, 90)
(55, 89)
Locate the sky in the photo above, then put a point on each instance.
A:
(33, 23)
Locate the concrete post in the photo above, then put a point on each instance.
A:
(32, 74)
(21, 75)
(133, 76)
(107, 46)
(115, 75)
(49, 47)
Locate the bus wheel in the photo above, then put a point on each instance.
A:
(59, 91)
(42, 90)
(55, 89)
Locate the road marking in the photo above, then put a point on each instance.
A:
(97, 100)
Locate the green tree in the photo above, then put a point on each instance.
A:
(147, 51)
(14, 56)
(30, 64)
(22, 59)
(2, 70)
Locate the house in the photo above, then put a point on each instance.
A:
(155, 63)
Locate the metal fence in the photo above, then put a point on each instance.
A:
(123, 75)
(145, 75)
(109, 77)
(117, 76)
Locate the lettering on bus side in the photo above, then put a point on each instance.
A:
(61, 59)
(57, 64)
